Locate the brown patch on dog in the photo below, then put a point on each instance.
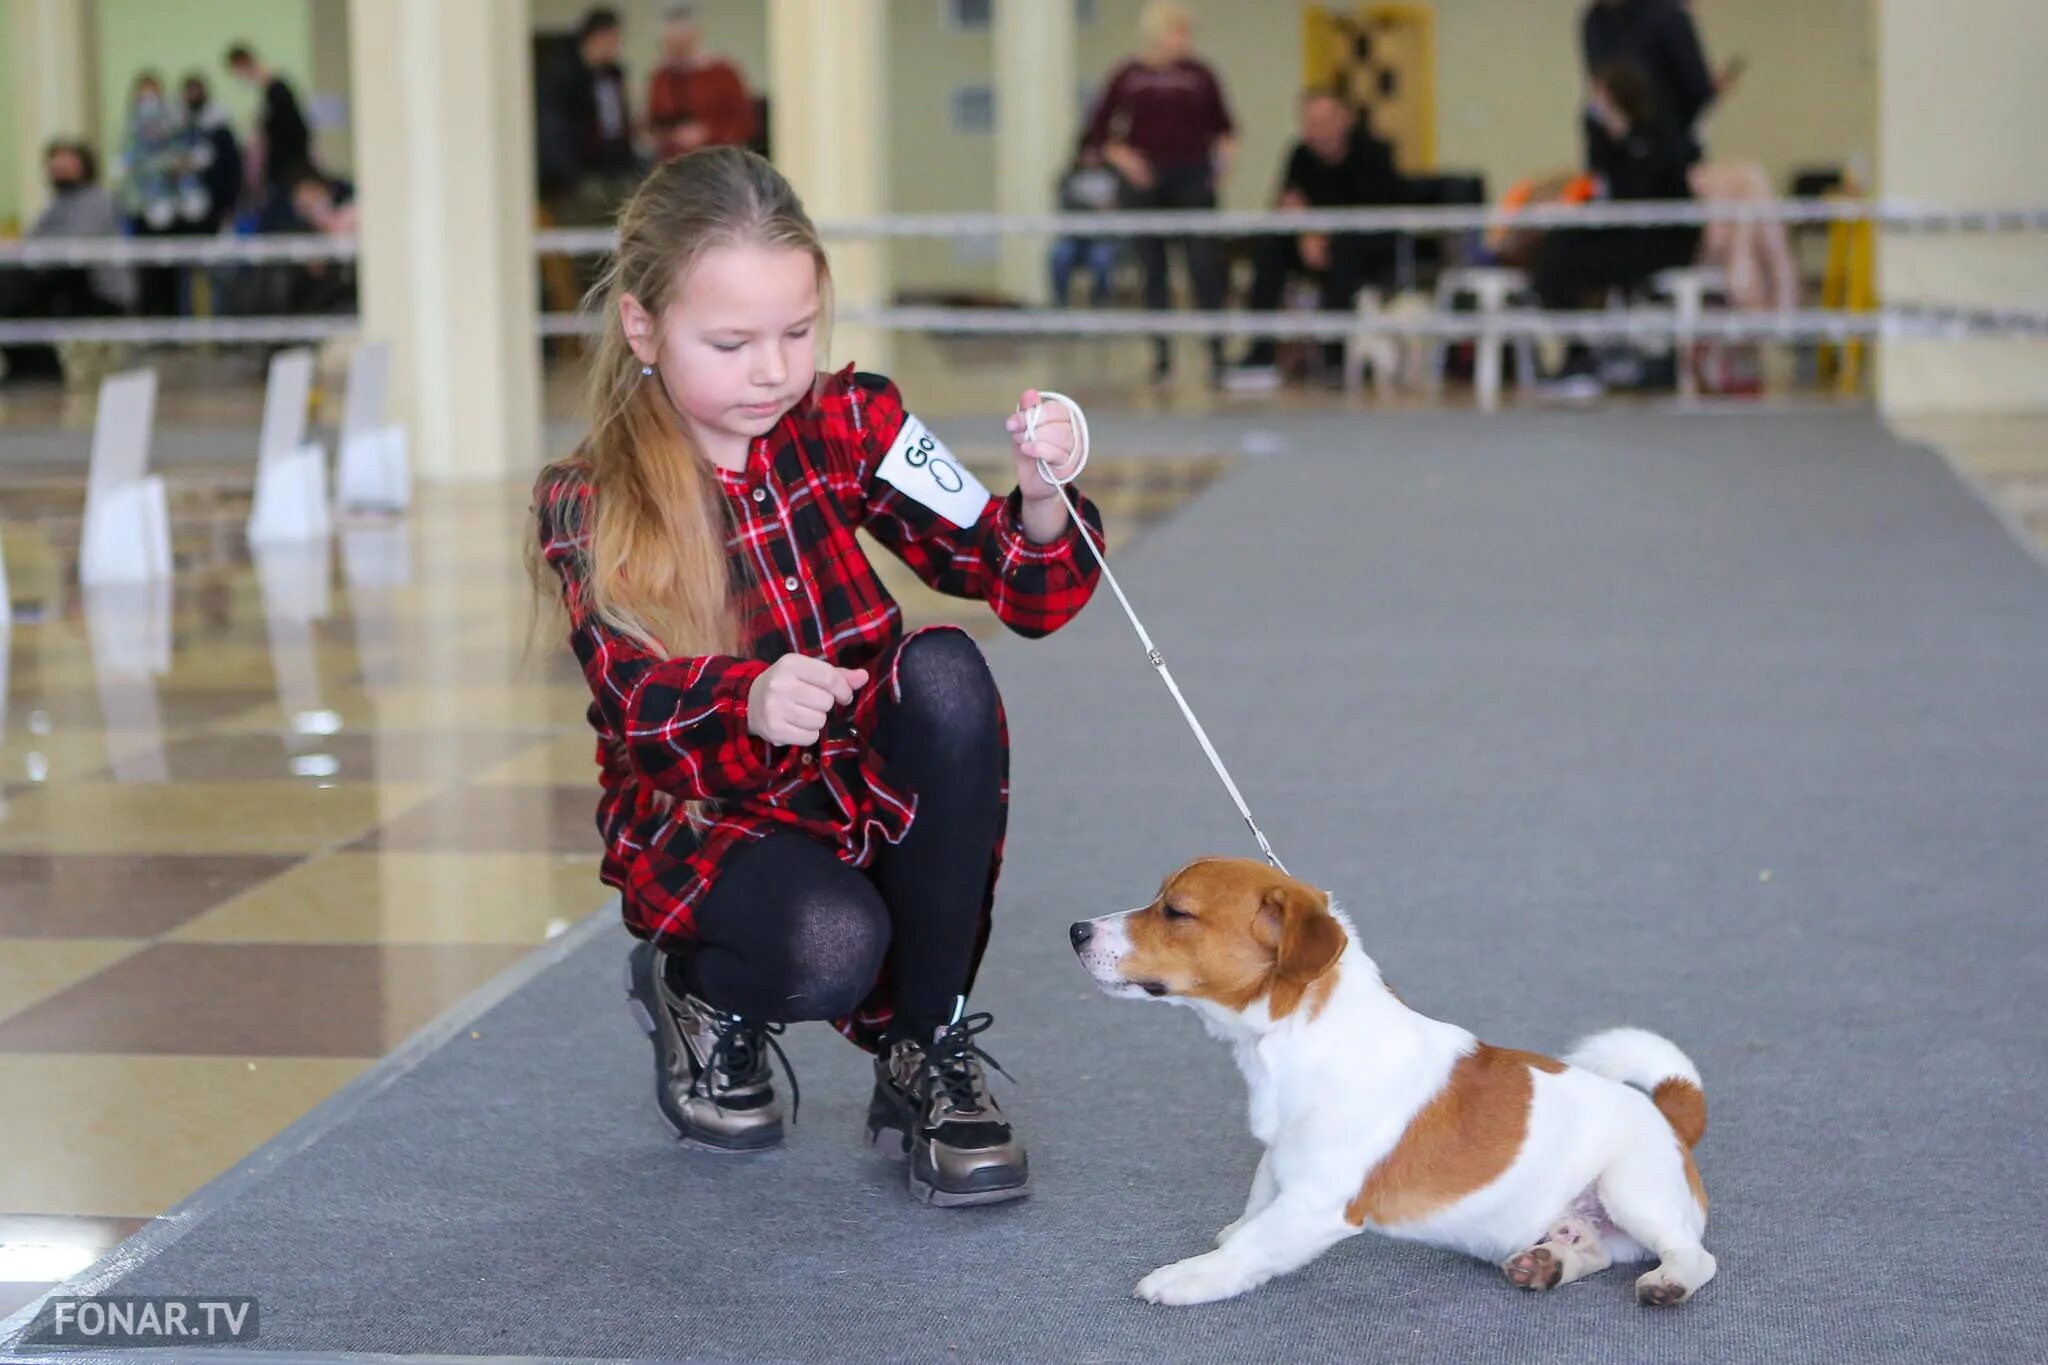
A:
(1318, 994)
(1467, 1134)
(1235, 931)
(1684, 1106)
(1692, 1178)
(1537, 1060)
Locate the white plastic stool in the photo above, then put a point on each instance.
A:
(1491, 288)
(1688, 287)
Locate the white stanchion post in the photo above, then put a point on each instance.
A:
(127, 535)
(291, 472)
(372, 472)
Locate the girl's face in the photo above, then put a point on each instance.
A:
(736, 347)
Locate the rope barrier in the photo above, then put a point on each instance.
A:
(1889, 215)
(191, 331)
(283, 248)
(1904, 321)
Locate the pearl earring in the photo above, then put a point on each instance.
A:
(646, 370)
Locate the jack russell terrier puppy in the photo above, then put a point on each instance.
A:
(1374, 1116)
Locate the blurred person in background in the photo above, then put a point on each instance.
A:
(587, 163)
(328, 206)
(218, 152)
(1090, 185)
(1163, 123)
(79, 207)
(280, 150)
(1644, 155)
(693, 100)
(1658, 38)
(1338, 163)
(162, 187)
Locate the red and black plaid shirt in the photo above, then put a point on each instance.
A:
(674, 730)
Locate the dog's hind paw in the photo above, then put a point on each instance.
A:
(1654, 1291)
(1535, 1268)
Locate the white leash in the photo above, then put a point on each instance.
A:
(1152, 653)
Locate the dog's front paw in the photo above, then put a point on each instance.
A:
(1198, 1279)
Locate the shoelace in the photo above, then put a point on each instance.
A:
(949, 1059)
(738, 1051)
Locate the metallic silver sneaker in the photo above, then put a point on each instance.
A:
(712, 1081)
(932, 1104)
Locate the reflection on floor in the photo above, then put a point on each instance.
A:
(259, 824)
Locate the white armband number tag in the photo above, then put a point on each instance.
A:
(920, 467)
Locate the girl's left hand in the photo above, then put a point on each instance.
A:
(1054, 444)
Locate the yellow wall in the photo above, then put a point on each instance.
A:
(1509, 81)
(10, 151)
(1960, 124)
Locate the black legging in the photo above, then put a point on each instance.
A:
(789, 932)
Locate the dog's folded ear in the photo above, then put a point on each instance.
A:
(1294, 920)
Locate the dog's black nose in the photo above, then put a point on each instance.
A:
(1080, 932)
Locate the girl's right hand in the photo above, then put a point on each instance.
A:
(788, 703)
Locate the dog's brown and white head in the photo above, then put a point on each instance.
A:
(1230, 936)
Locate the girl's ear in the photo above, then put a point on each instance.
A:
(640, 329)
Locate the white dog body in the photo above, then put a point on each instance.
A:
(1375, 1116)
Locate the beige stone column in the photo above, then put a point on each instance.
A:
(827, 68)
(442, 126)
(49, 77)
(1036, 95)
(1960, 106)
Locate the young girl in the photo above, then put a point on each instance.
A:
(803, 807)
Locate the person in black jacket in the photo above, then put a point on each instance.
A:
(1657, 38)
(220, 155)
(585, 127)
(1338, 163)
(284, 144)
(1640, 155)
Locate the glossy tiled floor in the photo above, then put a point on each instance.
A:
(258, 827)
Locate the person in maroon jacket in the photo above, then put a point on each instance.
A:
(1163, 122)
(803, 806)
(693, 100)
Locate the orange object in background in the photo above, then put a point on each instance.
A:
(1513, 246)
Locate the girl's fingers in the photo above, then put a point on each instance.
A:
(818, 695)
(809, 712)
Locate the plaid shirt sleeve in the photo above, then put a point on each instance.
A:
(1033, 589)
(679, 724)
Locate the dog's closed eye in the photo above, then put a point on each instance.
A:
(1172, 911)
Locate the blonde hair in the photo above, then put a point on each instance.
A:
(1160, 18)
(655, 565)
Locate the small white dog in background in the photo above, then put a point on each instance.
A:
(1374, 1116)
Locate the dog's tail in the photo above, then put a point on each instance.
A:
(1653, 1065)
